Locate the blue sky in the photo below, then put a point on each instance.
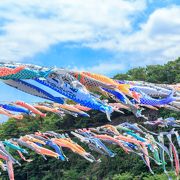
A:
(101, 36)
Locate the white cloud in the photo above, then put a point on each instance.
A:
(159, 36)
(156, 42)
(33, 26)
(106, 67)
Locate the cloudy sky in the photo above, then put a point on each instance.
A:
(104, 36)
